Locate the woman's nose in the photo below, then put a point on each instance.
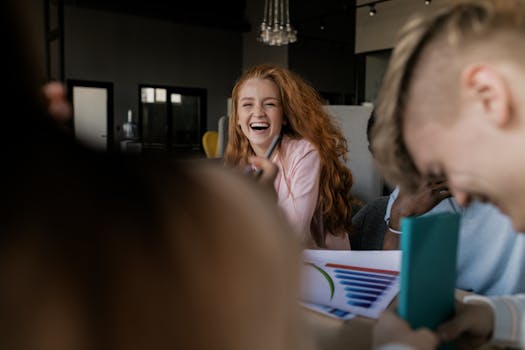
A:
(258, 111)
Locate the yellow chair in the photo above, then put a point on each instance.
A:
(210, 143)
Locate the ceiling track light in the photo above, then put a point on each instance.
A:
(428, 2)
(371, 6)
(322, 25)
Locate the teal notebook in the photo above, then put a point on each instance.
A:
(428, 269)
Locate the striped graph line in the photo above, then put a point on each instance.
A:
(363, 286)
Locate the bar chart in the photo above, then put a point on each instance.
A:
(350, 285)
(363, 286)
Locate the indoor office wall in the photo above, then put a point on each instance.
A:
(328, 65)
(255, 52)
(379, 32)
(129, 50)
(324, 51)
(375, 68)
(34, 10)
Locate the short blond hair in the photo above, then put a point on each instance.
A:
(452, 27)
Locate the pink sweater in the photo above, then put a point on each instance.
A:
(297, 187)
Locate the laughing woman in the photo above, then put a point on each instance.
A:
(313, 184)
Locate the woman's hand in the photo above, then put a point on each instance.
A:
(390, 329)
(57, 104)
(268, 171)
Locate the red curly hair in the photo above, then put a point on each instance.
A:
(308, 120)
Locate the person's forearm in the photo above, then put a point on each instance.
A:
(392, 235)
(509, 314)
(391, 240)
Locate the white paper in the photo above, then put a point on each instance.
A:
(361, 282)
(329, 311)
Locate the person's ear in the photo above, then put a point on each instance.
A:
(488, 88)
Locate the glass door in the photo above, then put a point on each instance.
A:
(172, 119)
(185, 115)
(153, 118)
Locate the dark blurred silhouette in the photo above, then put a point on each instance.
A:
(101, 251)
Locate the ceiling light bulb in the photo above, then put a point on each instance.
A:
(372, 11)
(428, 2)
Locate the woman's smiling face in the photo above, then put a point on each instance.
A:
(259, 113)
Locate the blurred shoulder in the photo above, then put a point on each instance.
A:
(237, 201)
(488, 213)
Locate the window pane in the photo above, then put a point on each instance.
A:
(176, 98)
(147, 95)
(154, 119)
(186, 122)
(160, 95)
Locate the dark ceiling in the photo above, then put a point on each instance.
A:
(324, 19)
(228, 14)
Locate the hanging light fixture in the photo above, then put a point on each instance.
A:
(276, 29)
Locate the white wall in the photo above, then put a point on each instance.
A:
(379, 32)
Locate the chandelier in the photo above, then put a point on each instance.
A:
(276, 29)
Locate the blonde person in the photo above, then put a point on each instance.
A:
(453, 104)
(313, 184)
(99, 251)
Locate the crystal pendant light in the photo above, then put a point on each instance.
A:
(276, 29)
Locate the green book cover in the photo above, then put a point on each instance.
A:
(428, 269)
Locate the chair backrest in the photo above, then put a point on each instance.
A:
(370, 225)
(223, 135)
(210, 143)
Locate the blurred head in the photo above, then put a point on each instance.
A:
(451, 104)
(119, 269)
(21, 82)
(99, 251)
